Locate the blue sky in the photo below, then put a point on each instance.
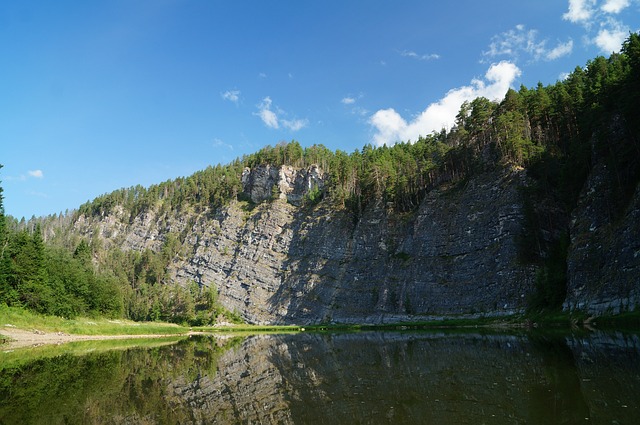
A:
(99, 95)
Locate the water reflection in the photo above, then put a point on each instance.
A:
(368, 378)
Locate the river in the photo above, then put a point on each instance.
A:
(331, 378)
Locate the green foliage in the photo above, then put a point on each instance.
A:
(22, 318)
(314, 196)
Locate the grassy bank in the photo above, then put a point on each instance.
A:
(24, 319)
(543, 321)
(27, 320)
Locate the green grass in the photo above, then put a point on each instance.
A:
(628, 320)
(24, 319)
(244, 328)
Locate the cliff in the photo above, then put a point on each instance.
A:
(278, 259)
(603, 264)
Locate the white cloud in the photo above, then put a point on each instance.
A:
(560, 50)
(521, 41)
(615, 6)
(348, 101)
(268, 117)
(414, 55)
(295, 125)
(271, 120)
(262, 75)
(390, 127)
(37, 174)
(610, 31)
(610, 39)
(579, 11)
(231, 95)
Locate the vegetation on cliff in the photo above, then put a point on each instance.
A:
(553, 131)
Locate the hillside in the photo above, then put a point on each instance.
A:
(529, 203)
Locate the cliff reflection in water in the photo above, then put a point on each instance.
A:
(384, 377)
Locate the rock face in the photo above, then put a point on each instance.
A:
(604, 257)
(603, 262)
(456, 255)
(286, 261)
(267, 182)
(281, 259)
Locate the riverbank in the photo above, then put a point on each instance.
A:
(21, 328)
(22, 338)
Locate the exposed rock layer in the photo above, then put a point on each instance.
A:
(279, 259)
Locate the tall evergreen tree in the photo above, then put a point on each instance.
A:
(4, 257)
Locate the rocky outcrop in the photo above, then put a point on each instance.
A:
(267, 182)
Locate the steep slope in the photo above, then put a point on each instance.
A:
(603, 264)
(276, 262)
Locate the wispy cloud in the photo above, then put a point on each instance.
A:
(295, 124)
(350, 103)
(390, 127)
(36, 174)
(562, 49)
(522, 42)
(219, 143)
(231, 95)
(270, 117)
(422, 57)
(602, 23)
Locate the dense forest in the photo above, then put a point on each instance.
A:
(552, 131)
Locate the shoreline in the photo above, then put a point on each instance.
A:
(21, 338)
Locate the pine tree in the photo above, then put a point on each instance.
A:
(4, 257)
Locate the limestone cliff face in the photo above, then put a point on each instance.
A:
(281, 260)
(604, 257)
(603, 262)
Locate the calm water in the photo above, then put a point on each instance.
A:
(367, 378)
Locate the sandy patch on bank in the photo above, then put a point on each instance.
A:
(24, 338)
